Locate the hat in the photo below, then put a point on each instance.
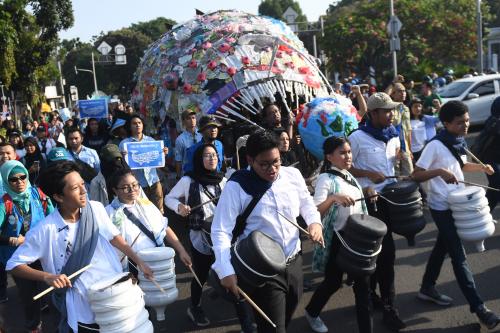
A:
(206, 121)
(118, 123)
(110, 152)
(186, 113)
(58, 154)
(15, 132)
(380, 100)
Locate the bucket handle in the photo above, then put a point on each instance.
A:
(247, 266)
(344, 243)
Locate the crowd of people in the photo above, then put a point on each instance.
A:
(69, 199)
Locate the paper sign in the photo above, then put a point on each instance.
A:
(145, 154)
(93, 108)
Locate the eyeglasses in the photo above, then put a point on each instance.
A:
(210, 156)
(266, 166)
(129, 188)
(16, 179)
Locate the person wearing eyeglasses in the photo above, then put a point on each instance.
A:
(276, 192)
(23, 207)
(139, 221)
(203, 184)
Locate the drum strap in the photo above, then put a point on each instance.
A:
(452, 150)
(345, 177)
(241, 220)
(141, 226)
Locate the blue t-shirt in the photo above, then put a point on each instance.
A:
(188, 166)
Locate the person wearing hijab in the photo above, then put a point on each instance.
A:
(22, 208)
(33, 160)
(200, 185)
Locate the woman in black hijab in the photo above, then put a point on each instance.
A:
(33, 160)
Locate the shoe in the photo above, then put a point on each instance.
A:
(487, 317)
(432, 295)
(197, 316)
(307, 285)
(249, 328)
(391, 319)
(316, 324)
(377, 302)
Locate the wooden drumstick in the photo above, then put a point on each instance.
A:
(256, 307)
(195, 276)
(474, 157)
(135, 240)
(152, 278)
(298, 227)
(204, 203)
(48, 290)
(483, 186)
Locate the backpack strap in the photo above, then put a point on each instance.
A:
(44, 199)
(241, 220)
(7, 200)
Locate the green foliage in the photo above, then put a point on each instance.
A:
(154, 29)
(435, 34)
(276, 8)
(495, 13)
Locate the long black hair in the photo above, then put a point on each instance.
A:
(329, 146)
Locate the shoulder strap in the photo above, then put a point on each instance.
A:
(139, 225)
(452, 150)
(44, 200)
(8, 211)
(348, 179)
(241, 220)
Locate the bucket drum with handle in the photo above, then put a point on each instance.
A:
(404, 202)
(161, 262)
(257, 258)
(118, 305)
(361, 242)
(471, 214)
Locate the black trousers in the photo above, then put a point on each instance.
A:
(3, 280)
(333, 282)
(27, 290)
(201, 266)
(384, 274)
(278, 297)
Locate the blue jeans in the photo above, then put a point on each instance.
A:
(448, 242)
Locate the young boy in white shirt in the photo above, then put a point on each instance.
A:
(442, 164)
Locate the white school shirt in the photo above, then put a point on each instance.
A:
(181, 190)
(48, 242)
(149, 215)
(436, 156)
(371, 154)
(323, 190)
(418, 135)
(287, 195)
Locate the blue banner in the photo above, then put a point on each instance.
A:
(93, 108)
(146, 154)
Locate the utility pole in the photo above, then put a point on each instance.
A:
(61, 81)
(393, 27)
(480, 65)
(93, 72)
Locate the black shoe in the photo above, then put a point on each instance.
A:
(197, 316)
(432, 295)
(307, 285)
(377, 302)
(487, 317)
(391, 319)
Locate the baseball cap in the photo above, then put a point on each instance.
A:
(187, 113)
(206, 121)
(118, 123)
(110, 152)
(380, 100)
(58, 154)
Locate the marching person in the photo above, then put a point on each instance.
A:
(33, 160)
(202, 184)
(74, 139)
(147, 177)
(441, 165)
(23, 206)
(186, 139)
(335, 196)
(375, 147)
(75, 235)
(264, 191)
(139, 221)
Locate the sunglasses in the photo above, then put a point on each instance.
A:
(16, 179)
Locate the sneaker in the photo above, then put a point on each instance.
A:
(487, 318)
(197, 316)
(432, 295)
(316, 324)
(391, 319)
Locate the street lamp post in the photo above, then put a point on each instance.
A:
(3, 95)
(479, 38)
(90, 71)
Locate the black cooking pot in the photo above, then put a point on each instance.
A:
(257, 258)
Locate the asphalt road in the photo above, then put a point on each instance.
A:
(339, 314)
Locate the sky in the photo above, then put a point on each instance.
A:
(94, 16)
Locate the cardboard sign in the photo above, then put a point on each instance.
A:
(145, 154)
(93, 108)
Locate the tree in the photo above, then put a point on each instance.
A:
(154, 29)
(435, 34)
(28, 40)
(276, 8)
(495, 11)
